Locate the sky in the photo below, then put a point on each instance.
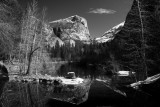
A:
(101, 15)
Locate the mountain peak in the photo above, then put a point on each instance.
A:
(72, 29)
(109, 35)
(72, 20)
(115, 29)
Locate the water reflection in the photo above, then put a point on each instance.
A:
(33, 94)
(22, 95)
(101, 91)
(2, 84)
(80, 71)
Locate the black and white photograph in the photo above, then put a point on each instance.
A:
(79, 53)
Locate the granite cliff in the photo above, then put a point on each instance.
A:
(69, 30)
(110, 34)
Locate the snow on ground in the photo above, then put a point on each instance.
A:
(101, 80)
(71, 81)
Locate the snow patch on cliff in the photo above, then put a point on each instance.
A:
(109, 35)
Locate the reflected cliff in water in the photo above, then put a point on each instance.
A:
(34, 94)
(99, 91)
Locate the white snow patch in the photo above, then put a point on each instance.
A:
(71, 81)
(103, 39)
(108, 35)
(125, 73)
(115, 28)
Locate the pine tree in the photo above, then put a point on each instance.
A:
(138, 40)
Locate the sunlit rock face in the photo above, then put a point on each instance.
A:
(110, 34)
(70, 42)
(51, 41)
(71, 28)
(136, 46)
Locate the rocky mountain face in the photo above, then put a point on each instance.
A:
(136, 46)
(69, 30)
(110, 34)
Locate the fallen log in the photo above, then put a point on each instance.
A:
(149, 80)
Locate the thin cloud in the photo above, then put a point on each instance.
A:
(101, 11)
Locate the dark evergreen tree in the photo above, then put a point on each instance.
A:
(136, 46)
(57, 50)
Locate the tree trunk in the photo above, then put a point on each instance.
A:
(143, 53)
(29, 64)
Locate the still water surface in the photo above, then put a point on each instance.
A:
(106, 91)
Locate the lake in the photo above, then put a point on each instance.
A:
(103, 91)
